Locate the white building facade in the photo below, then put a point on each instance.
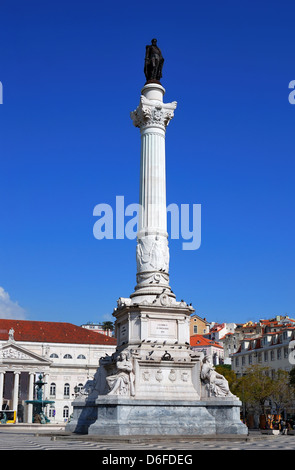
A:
(218, 331)
(97, 328)
(272, 350)
(66, 356)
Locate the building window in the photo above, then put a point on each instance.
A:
(243, 360)
(250, 359)
(81, 356)
(53, 356)
(279, 354)
(51, 412)
(52, 390)
(80, 387)
(67, 356)
(237, 361)
(66, 390)
(272, 355)
(65, 412)
(286, 353)
(265, 356)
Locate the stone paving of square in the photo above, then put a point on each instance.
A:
(14, 440)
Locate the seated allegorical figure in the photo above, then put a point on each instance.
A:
(216, 383)
(122, 383)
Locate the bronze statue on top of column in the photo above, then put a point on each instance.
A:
(153, 63)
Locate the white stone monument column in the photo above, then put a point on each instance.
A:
(152, 255)
(154, 382)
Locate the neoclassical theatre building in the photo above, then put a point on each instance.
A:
(65, 354)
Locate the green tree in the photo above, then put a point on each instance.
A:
(255, 388)
(107, 325)
(258, 391)
(282, 393)
(292, 377)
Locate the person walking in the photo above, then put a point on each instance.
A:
(283, 427)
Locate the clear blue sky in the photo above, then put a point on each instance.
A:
(71, 74)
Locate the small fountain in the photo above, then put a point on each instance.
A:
(39, 404)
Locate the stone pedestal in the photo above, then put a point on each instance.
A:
(155, 384)
(158, 341)
(119, 416)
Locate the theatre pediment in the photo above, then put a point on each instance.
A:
(12, 353)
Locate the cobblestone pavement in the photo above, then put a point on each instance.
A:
(13, 440)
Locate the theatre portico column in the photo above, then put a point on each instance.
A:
(31, 397)
(1, 388)
(15, 390)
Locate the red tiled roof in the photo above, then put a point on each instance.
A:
(199, 340)
(227, 334)
(217, 327)
(52, 332)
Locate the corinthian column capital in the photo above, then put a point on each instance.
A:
(153, 112)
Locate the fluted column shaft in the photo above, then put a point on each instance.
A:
(15, 390)
(152, 197)
(152, 117)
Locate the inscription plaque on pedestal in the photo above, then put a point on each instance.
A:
(163, 329)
